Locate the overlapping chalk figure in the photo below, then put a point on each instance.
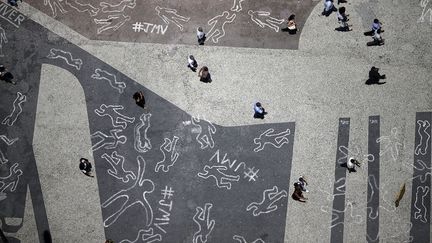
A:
(3, 40)
(205, 225)
(119, 7)
(263, 19)
(112, 22)
(217, 24)
(170, 15)
(237, 5)
(83, 7)
(54, 6)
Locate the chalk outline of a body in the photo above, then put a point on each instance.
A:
(113, 112)
(83, 7)
(269, 21)
(114, 136)
(145, 236)
(358, 219)
(215, 33)
(13, 172)
(202, 218)
(8, 142)
(117, 8)
(392, 144)
(241, 239)
(422, 147)
(347, 152)
(171, 16)
(269, 197)
(237, 6)
(222, 180)
(117, 167)
(128, 194)
(424, 5)
(205, 140)
(3, 39)
(372, 184)
(107, 22)
(54, 5)
(169, 146)
(139, 145)
(420, 213)
(100, 74)
(66, 56)
(16, 111)
(280, 139)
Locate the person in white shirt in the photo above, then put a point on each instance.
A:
(192, 63)
(328, 8)
(351, 164)
(259, 111)
(201, 36)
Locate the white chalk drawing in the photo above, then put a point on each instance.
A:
(419, 204)
(117, 8)
(218, 173)
(142, 143)
(271, 138)
(145, 236)
(391, 143)
(427, 9)
(7, 140)
(357, 219)
(170, 15)
(372, 213)
(423, 144)
(237, 6)
(268, 203)
(133, 195)
(3, 159)
(67, 57)
(218, 23)
(205, 130)
(117, 167)
(403, 231)
(164, 207)
(11, 181)
(424, 169)
(112, 22)
(167, 193)
(100, 74)
(16, 111)
(263, 19)
(83, 7)
(113, 112)
(149, 28)
(108, 141)
(251, 174)
(241, 239)
(54, 6)
(3, 40)
(340, 188)
(231, 163)
(205, 225)
(355, 152)
(169, 146)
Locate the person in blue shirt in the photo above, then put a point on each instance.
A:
(376, 26)
(259, 111)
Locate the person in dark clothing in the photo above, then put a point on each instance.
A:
(291, 25)
(328, 8)
(376, 25)
(192, 63)
(201, 36)
(204, 75)
(14, 3)
(259, 111)
(298, 193)
(377, 39)
(374, 77)
(343, 20)
(85, 167)
(139, 99)
(5, 75)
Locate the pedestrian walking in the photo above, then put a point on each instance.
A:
(351, 164)
(14, 3)
(259, 111)
(85, 167)
(139, 99)
(375, 76)
(204, 75)
(291, 25)
(192, 63)
(343, 20)
(376, 25)
(298, 193)
(109, 241)
(303, 183)
(377, 39)
(201, 36)
(5, 75)
(328, 8)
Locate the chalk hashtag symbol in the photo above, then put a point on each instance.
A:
(138, 26)
(167, 192)
(251, 174)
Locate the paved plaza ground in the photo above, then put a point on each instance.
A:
(194, 166)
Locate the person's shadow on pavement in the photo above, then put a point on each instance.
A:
(374, 77)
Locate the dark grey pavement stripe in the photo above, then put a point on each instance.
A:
(421, 196)
(372, 225)
(338, 211)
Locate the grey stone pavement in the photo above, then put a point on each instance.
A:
(315, 92)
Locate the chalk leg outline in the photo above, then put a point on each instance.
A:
(66, 56)
(422, 147)
(202, 219)
(100, 74)
(117, 167)
(113, 112)
(112, 22)
(140, 145)
(270, 197)
(170, 147)
(222, 180)
(17, 110)
(117, 8)
(145, 236)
